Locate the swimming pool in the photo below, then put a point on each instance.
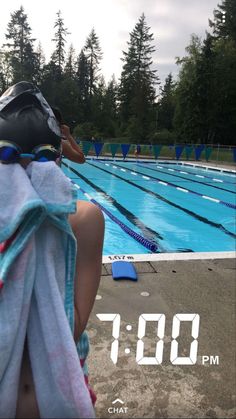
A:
(159, 206)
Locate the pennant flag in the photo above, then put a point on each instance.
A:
(198, 151)
(114, 148)
(98, 148)
(188, 151)
(86, 145)
(208, 151)
(156, 149)
(178, 151)
(125, 148)
(234, 153)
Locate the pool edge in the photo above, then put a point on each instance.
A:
(169, 256)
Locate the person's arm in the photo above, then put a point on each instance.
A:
(70, 148)
(72, 154)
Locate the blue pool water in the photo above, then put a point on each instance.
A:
(177, 207)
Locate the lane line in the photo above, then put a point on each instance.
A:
(148, 233)
(227, 204)
(173, 204)
(192, 180)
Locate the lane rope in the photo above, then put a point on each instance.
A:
(217, 182)
(218, 201)
(173, 204)
(142, 240)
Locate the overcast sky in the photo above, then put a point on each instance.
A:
(172, 22)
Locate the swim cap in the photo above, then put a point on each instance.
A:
(26, 118)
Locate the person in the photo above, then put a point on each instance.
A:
(87, 224)
(137, 150)
(70, 148)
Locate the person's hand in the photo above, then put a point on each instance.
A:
(65, 130)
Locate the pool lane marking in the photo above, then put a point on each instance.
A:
(182, 189)
(192, 180)
(140, 239)
(227, 204)
(150, 234)
(173, 204)
(228, 172)
(210, 199)
(193, 174)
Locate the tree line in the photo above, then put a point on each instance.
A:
(198, 107)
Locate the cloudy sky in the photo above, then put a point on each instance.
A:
(172, 22)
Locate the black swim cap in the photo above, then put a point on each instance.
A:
(27, 119)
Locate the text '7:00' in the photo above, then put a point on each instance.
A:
(160, 319)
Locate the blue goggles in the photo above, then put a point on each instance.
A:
(12, 153)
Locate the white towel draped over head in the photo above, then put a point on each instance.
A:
(37, 270)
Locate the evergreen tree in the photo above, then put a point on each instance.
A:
(58, 56)
(93, 55)
(224, 23)
(82, 78)
(19, 45)
(5, 70)
(39, 64)
(166, 105)
(186, 118)
(223, 104)
(97, 107)
(137, 85)
(110, 119)
(205, 91)
(70, 66)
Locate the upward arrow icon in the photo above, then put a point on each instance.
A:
(118, 401)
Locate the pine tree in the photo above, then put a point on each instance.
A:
(39, 64)
(223, 106)
(224, 23)
(137, 86)
(93, 55)
(206, 90)
(166, 106)
(5, 70)
(97, 107)
(204, 86)
(20, 47)
(58, 56)
(70, 66)
(82, 78)
(110, 111)
(186, 118)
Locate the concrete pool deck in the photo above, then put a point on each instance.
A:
(203, 390)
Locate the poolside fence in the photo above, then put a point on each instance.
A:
(204, 152)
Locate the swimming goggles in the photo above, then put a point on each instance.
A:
(12, 153)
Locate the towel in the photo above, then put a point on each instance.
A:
(37, 267)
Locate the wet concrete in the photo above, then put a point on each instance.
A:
(201, 390)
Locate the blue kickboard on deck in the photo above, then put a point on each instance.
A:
(123, 270)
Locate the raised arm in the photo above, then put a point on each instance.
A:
(70, 148)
